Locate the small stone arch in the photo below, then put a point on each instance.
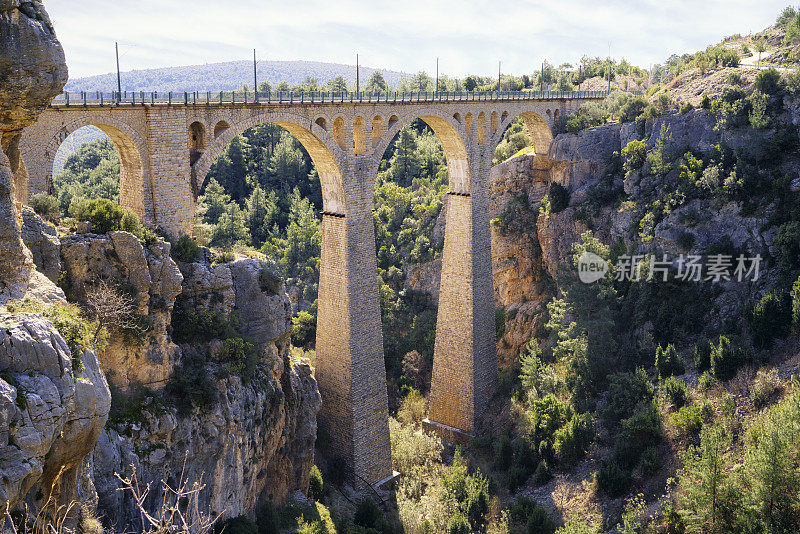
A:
(538, 128)
(457, 117)
(555, 115)
(317, 144)
(339, 133)
(504, 116)
(377, 129)
(480, 128)
(359, 136)
(469, 126)
(197, 141)
(220, 128)
(494, 122)
(393, 119)
(322, 123)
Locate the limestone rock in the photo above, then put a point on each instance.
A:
(42, 240)
(151, 277)
(265, 312)
(16, 264)
(50, 416)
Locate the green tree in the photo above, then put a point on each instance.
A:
(261, 213)
(337, 84)
(405, 164)
(213, 203)
(702, 479)
(230, 229)
(91, 172)
(377, 83)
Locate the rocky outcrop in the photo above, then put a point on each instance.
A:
(256, 442)
(42, 240)
(148, 275)
(52, 410)
(33, 71)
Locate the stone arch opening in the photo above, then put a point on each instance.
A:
(339, 133)
(481, 128)
(534, 131)
(504, 116)
(469, 125)
(197, 141)
(129, 177)
(359, 136)
(322, 123)
(393, 119)
(494, 122)
(555, 115)
(220, 128)
(377, 130)
(457, 117)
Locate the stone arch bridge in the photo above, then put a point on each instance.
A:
(166, 148)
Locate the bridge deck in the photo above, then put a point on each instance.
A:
(196, 98)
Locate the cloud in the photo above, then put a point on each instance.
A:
(467, 36)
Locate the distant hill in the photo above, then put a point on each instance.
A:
(227, 76)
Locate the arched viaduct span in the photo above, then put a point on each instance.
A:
(166, 151)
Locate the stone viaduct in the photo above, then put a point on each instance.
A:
(167, 148)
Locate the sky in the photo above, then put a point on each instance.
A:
(468, 36)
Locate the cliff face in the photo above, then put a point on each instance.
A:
(33, 71)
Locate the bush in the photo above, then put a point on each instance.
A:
(768, 81)
(458, 524)
(766, 384)
(191, 384)
(644, 426)
(702, 355)
(240, 355)
(559, 197)
(635, 154)
(686, 107)
(190, 326)
(236, 525)
(539, 522)
(186, 250)
(667, 362)
(650, 461)
(726, 359)
(771, 318)
(706, 381)
(304, 328)
(676, 392)
(267, 519)
(316, 487)
(688, 419)
(705, 102)
(571, 440)
(612, 479)
(46, 206)
(542, 473)
(787, 242)
(105, 215)
(626, 392)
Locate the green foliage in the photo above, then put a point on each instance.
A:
(612, 479)
(106, 216)
(726, 358)
(667, 361)
(795, 296)
(571, 441)
(91, 172)
(240, 356)
(787, 243)
(458, 524)
(688, 419)
(191, 383)
(530, 516)
(470, 491)
(676, 392)
(702, 355)
(768, 81)
(46, 206)
(771, 318)
(626, 391)
(185, 249)
(191, 326)
(765, 385)
(316, 487)
(515, 138)
(659, 159)
(304, 327)
(77, 331)
(635, 154)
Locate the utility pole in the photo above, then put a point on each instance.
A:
(609, 69)
(255, 76)
(357, 80)
(541, 78)
(436, 92)
(119, 79)
(498, 76)
(579, 78)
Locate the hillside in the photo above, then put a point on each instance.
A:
(226, 76)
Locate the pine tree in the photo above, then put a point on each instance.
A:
(260, 214)
(702, 478)
(405, 163)
(213, 202)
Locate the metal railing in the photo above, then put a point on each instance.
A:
(207, 98)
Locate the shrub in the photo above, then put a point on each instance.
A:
(702, 355)
(458, 524)
(190, 326)
(612, 479)
(304, 328)
(787, 242)
(105, 215)
(316, 487)
(236, 525)
(768, 81)
(571, 440)
(186, 250)
(267, 519)
(626, 391)
(269, 282)
(706, 381)
(191, 384)
(650, 461)
(667, 361)
(765, 385)
(771, 318)
(46, 206)
(542, 473)
(635, 154)
(539, 522)
(644, 426)
(688, 419)
(240, 355)
(726, 359)
(559, 197)
(705, 102)
(676, 392)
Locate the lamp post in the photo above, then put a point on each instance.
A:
(119, 79)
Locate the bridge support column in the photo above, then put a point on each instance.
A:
(349, 363)
(465, 361)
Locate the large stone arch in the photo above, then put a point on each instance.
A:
(537, 125)
(312, 136)
(452, 137)
(135, 192)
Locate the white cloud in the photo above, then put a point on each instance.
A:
(467, 36)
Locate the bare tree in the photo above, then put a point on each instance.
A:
(110, 307)
(179, 511)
